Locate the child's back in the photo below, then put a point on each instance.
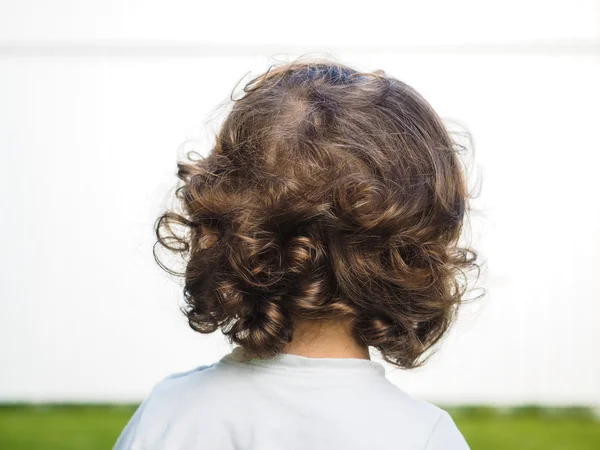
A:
(287, 402)
(324, 222)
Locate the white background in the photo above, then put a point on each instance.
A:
(96, 99)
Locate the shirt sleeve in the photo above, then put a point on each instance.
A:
(446, 435)
(125, 439)
(127, 436)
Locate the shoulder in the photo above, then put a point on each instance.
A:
(440, 429)
(431, 425)
(445, 435)
(402, 402)
(166, 393)
(179, 384)
(177, 378)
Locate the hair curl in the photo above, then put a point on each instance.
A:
(329, 193)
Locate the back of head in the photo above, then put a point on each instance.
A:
(329, 193)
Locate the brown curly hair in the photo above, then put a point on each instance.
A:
(329, 193)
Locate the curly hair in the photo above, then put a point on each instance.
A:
(329, 193)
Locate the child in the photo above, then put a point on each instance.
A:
(324, 221)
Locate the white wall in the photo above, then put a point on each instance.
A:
(96, 98)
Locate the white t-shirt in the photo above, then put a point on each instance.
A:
(288, 402)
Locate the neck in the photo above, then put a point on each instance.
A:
(325, 339)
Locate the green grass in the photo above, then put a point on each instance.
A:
(528, 428)
(61, 427)
(95, 427)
